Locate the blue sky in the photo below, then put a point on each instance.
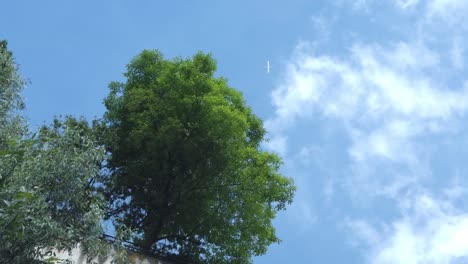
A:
(367, 102)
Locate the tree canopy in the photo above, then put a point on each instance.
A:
(186, 170)
(11, 103)
(177, 159)
(47, 197)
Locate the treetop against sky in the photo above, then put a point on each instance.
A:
(365, 101)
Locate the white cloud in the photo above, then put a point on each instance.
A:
(406, 3)
(364, 232)
(446, 8)
(373, 82)
(390, 142)
(429, 231)
(394, 103)
(385, 98)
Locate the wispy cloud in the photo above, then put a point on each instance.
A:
(406, 3)
(393, 102)
(429, 231)
(451, 10)
(383, 96)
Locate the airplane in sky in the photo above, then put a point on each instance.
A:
(268, 66)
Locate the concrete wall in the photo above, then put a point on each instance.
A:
(76, 256)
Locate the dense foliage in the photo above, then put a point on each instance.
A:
(47, 199)
(187, 172)
(11, 86)
(184, 170)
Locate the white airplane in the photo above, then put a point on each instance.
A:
(268, 66)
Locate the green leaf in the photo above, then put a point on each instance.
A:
(24, 195)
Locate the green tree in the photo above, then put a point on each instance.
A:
(48, 199)
(47, 196)
(186, 171)
(11, 103)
